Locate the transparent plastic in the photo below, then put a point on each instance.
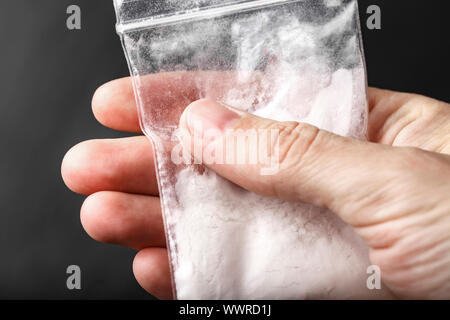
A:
(281, 59)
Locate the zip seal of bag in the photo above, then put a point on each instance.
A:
(197, 13)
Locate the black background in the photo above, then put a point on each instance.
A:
(48, 76)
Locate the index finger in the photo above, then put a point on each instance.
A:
(114, 106)
(114, 103)
(163, 95)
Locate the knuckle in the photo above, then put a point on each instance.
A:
(293, 146)
(295, 142)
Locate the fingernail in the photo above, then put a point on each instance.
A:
(204, 115)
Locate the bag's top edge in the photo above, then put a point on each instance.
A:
(142, 18)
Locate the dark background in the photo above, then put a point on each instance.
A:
(48, 75)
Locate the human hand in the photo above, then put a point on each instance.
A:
(399, 202)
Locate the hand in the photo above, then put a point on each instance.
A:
(398, 204)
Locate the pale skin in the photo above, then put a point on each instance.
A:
(394, 190)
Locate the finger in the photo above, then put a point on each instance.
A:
(403, 119)
(124, 165)
(163, 97)
(390, 112)
(151, 269)
(345, 175)
(124, 219)
(114, 106)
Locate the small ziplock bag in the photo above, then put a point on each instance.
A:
(280, 59)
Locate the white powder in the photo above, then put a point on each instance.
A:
(233, 244)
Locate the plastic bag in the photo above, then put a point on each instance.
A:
(286, 60)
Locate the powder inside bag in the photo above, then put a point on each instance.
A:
(233, 244)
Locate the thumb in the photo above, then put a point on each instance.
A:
(305, 163)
